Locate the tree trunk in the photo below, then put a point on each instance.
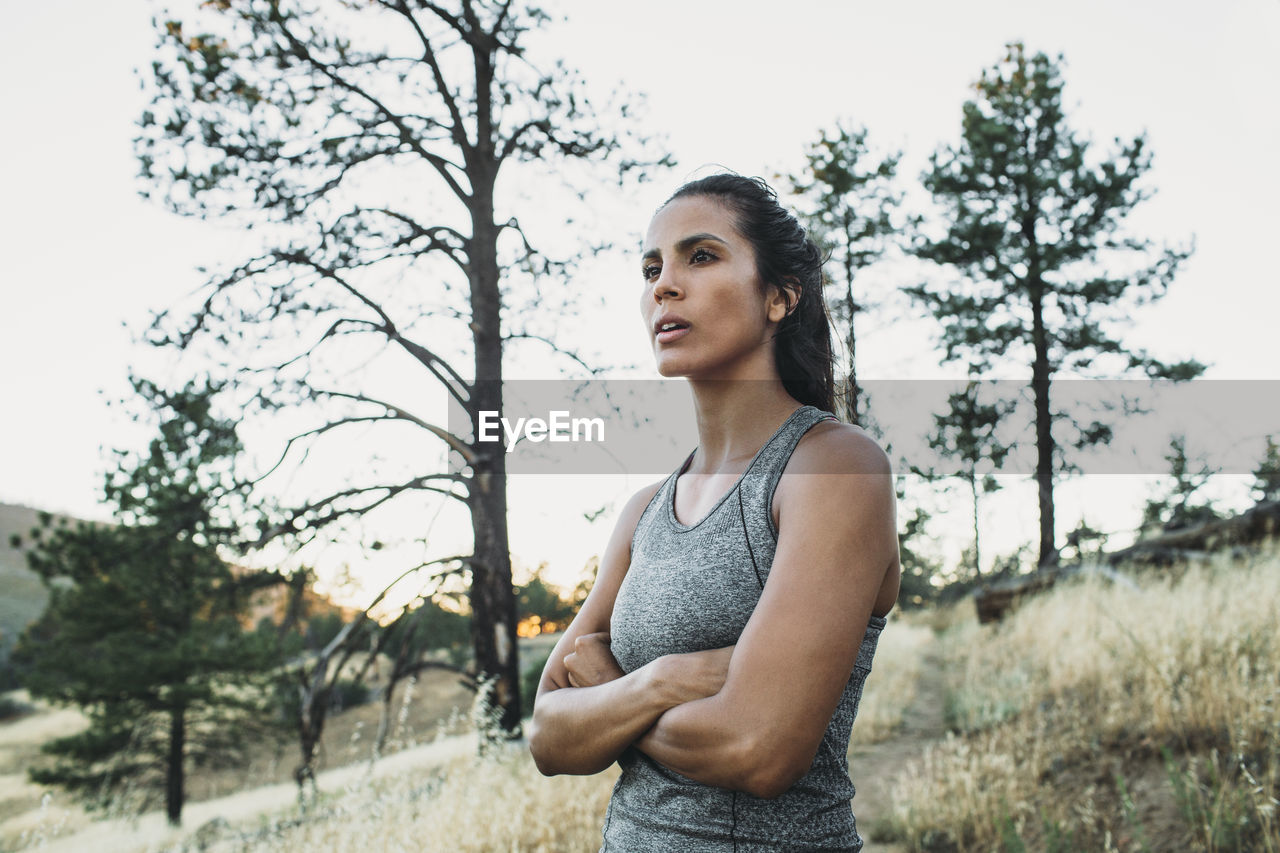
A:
(1252, 527)
(977, 554)
(313, 699)
(1044, 417)
(1044, 452)
(852, 389)
(493, 606)
(173, 770)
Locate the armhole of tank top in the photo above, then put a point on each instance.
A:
(775, 475)
(649, 507)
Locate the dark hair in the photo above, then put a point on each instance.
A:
(785, 256)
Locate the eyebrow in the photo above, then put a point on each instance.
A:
(685, 244)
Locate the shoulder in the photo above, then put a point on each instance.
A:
(834, 447)
(836, 469)
(839, 488)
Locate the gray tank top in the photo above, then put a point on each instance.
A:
(693, 587)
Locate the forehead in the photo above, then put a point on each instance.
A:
(690, 215)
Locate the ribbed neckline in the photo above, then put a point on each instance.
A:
(681, 527)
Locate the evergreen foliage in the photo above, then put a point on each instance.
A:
(1034, 220)
(144, 625)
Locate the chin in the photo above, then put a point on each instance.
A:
(673, 368)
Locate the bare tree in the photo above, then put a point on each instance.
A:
(370, 138)
(355, 648)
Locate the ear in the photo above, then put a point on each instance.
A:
(783, 299)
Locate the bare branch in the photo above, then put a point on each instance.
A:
(595, 371)
(311, 433)
(417, 484)
(464, 559)
(429, 56)
(513, 141)
(502, 17)
(440, 164)
(444, 435)
(426, 357)
(433, 236)
(330, 332)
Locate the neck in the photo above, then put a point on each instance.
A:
(735, 418)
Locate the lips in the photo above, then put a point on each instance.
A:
(666, 319)
(672, 335)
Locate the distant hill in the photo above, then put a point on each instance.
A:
(22, 594)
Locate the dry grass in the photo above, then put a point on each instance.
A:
(460, 803)
(499, 803)
(423, 709)
(891, 687)
(453, 804)
(944, 617)
(1093, 683)
(505, 804)
(249, 816)
(1094, 718)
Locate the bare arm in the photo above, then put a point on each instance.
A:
(837, 543)
(583, 729)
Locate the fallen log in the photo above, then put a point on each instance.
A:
(1251, 527)
(995, 600)
(1196, 544)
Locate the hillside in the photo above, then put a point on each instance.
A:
(22, 595)
(1099, 715)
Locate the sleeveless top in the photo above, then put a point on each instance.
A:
(691, 588)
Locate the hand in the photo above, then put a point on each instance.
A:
(697, 675)
(591, 662)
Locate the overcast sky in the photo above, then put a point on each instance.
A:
(740, 84)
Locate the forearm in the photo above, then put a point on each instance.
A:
(700, 740)
(582, 730)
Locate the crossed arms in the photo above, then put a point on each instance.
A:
(748, 717)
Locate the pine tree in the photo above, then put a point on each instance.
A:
(852, 209)
(1034, 228)
(965, 435)
(1179, 506)
(1086, 542)
(1266, 477)
(143, 629)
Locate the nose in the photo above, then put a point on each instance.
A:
(664, 286)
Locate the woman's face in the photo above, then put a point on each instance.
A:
(700, 273)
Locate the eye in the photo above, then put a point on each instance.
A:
(650, 271)
(701, 256)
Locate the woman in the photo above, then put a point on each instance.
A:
(721, 654)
